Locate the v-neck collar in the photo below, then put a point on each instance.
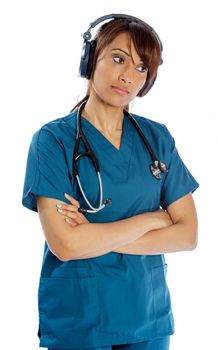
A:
(104, 139)
(99, 134)
(103, 145)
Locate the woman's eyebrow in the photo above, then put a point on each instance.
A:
(122, 51)
(125, 53)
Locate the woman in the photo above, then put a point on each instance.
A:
(103, 277)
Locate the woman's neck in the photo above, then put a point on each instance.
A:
(106, 118)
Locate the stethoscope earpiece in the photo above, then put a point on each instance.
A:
(81, 210)
(108, 201)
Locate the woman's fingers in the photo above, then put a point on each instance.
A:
(72, 200)
(67, 207)
(71, 222)
(71, 212)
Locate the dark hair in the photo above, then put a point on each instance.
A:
(145, 42)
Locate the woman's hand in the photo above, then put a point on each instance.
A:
(161, 219)
(165, 218)
(72, 216)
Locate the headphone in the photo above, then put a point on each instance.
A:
(86, 61)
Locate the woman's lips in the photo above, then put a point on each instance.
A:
(120, 91)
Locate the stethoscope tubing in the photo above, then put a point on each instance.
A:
(157, 167)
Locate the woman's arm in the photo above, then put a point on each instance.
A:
(182, 235)
(88, 240)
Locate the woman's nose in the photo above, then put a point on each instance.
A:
(127, 76)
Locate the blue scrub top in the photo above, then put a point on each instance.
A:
(114, 298)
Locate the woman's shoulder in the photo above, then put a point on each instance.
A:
(154, 128)
(60, 128)
(67, 121)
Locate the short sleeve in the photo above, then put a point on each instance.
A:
(178, 181)
(47, 173)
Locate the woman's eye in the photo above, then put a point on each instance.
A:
(118, 59)
(142, 69)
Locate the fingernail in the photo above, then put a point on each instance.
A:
(66, 195)
(58, 205)
(60, 210)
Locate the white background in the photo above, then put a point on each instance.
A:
(40, 50)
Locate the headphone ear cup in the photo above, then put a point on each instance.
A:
(144, 91)
(150, 85)
(86, 61)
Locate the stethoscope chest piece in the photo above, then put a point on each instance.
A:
(158, 167)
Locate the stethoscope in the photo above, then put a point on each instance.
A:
(157, 166)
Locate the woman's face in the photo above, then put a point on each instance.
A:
(119, 74)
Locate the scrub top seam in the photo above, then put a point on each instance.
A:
(35, 182)
(190, 189)
(131, 146)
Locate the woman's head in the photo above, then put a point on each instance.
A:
(127, 54)
(140, 38)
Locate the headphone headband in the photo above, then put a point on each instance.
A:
(87, 35)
